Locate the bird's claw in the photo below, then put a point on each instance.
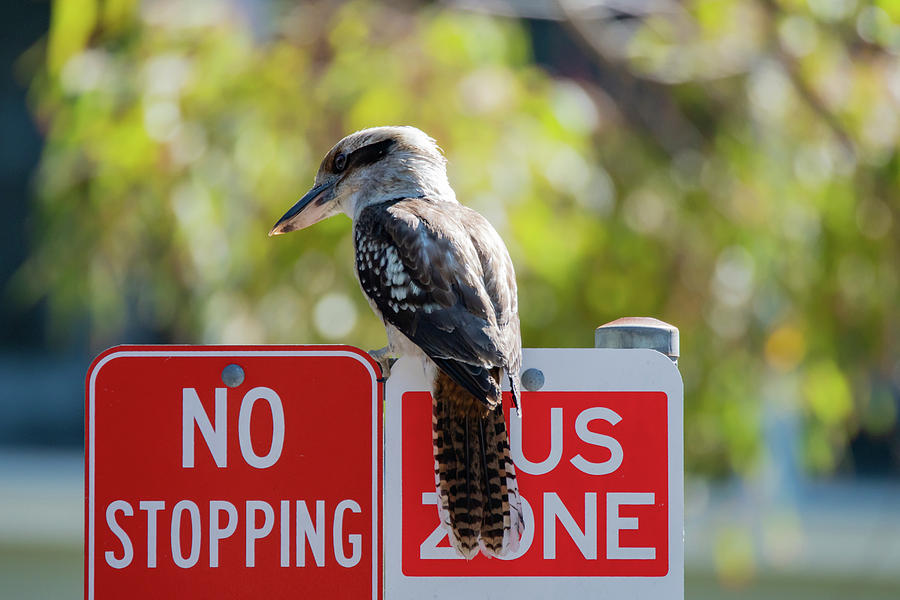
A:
(384, 359)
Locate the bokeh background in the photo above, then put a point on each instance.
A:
(728, 166)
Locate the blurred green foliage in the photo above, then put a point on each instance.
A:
(177, 133)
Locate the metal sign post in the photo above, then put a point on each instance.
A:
(233, 472)
(599, 459)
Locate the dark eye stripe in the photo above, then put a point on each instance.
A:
(369, 154)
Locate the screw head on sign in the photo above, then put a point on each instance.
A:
(532, 380)
(233, 375)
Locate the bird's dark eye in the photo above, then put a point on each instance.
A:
(340, 162)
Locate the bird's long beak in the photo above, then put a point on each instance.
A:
(311, 208)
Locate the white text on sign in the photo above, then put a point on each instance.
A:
(308, 531)
(592, 474)
(216, 436)
(218, 520)
(554, 508)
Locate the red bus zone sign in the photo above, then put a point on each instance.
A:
(264, 485)
(598, 456)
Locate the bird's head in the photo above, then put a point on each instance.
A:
(367, 167)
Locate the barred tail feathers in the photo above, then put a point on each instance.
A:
(513, 530)
(478, 503)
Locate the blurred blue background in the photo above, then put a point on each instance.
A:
(729, 166)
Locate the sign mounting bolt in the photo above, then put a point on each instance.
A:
(233, 375)
(532, 379)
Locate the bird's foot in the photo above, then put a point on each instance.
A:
(385, 359)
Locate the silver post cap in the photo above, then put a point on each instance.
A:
(639, 332)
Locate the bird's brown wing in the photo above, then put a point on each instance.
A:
(418, 262)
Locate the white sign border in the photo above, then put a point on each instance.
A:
(564, 369)
(224, 352)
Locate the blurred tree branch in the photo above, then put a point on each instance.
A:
(804, 90)
(647, 104)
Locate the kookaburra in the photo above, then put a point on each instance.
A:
(441, 279)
